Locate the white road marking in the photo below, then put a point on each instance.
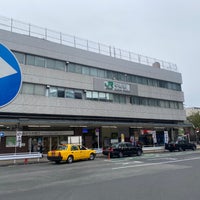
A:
(167, 158)
(159, 163)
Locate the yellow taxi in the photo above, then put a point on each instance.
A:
(70, 153)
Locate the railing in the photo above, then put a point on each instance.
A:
(18, 156)
(69, 40)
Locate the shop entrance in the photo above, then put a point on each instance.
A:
(36, 144)
(146, 139)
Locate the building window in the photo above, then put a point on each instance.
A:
(39, 90)
(30, 60)
(74, 68)
(88, 95)
(95, 95)
(102, 96)
(20, 57)
(39, 61)
(93, 72)
(109, 97)
(50, 63)
(69, 93)
(53, 92)
(155, 102)
(86, 70)
(61, 92)
(121, 77)
(78, 94)
(101, 73)
(119, 99)
(59, 65)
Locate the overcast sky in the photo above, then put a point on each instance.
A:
(165, 29)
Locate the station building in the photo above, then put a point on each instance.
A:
(82, 88)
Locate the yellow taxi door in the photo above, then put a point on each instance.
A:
(83, 152)
(75, 151)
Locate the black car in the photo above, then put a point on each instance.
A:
(180, 146)
(122, 149)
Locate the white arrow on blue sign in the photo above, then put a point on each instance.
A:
(1, 134)
(10, 76)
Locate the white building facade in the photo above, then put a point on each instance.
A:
(70, 91)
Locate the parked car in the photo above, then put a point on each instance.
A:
(70, 153)
(122, 149)
(180, 146)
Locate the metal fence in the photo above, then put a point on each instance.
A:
(73, 41)
(18, 156)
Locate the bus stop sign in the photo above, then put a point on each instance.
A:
(10, 76)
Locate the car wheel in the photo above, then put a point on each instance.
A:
(139, 152)
(193, 148)
(180, 149)
(70, 159)
(57, 162)
(92, 156)
(121, 155)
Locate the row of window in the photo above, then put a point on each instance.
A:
(91, 71)
(51, 91)
(103, 96)
(156, 102)
(65, 93)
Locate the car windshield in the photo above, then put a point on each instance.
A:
(62, 147)
(82, 148)
(116, 145)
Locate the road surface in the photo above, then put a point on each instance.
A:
(149, 177)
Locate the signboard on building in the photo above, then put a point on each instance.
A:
(154, 137)
(75, 140)
(10, 76)
(116, 86)
(166, 137)
(10, 141)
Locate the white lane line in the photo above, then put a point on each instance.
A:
(163, 158)
(160, 163)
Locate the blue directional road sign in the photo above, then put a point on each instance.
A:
(1, 134)
(10, 76)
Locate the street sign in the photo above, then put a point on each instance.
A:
(19, 139)
(1, 134)
(10, 76)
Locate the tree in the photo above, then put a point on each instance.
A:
(195, 120)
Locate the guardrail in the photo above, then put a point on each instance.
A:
(18, 156)
(73, 41)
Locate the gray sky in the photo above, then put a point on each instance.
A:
(165, 29)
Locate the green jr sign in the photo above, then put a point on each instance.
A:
(116, 86)
(108, 85)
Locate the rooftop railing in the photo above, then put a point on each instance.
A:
(17, 26)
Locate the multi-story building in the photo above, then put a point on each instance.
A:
(74, 87)
(191, 110)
